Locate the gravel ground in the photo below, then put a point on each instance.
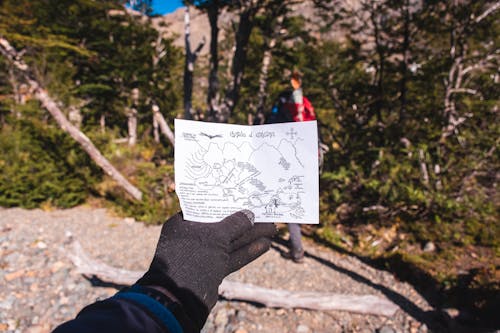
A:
(39, 286)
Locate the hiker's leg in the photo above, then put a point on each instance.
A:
(295, 238)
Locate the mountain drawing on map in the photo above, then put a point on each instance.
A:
(273, 189)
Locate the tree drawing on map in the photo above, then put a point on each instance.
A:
(274, 189)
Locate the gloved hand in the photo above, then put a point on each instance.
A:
(192, 258)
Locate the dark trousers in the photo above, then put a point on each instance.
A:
(295, 237)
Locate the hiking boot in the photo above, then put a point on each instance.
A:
(296, 255)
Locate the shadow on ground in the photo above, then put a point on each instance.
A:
(470, 318)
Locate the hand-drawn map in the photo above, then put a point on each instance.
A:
(271, 170)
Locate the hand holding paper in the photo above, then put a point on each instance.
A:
(271, 170)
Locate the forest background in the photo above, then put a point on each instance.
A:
(406, 93)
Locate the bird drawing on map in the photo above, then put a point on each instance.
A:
(211, 136)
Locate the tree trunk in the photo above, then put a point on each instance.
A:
(156, 133)
(264, 70)
(213, 80)
(380, 66)
(75, 116)
(366, 304)
(423, 168)
(245, 27)
(163, 125)
(132, 126)
(259, 117)
(404, 62)
(132, 118)
(19, 97)
(51, 106)
(189, 67)
(463, 65)
(102, 123)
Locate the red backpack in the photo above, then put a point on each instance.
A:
(285, 110)
(293, 109)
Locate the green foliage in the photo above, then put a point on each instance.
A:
(149, 166)
(159, 202)
(41, 165)
(382, 119)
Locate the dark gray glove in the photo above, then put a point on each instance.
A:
(192, 258)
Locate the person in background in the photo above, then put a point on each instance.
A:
(293, 106)
(181, 285)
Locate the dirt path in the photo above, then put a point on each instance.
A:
(40, 288)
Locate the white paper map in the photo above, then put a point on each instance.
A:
(271, 170)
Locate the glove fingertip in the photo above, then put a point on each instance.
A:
(249, 214)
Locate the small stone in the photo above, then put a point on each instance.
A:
(280, 312)
(12, 258)
(41, 245)
(129, 220)
(12, 324)
(221, 318)
(57, 266)
(6, 305)
(429, 247)
(240, 330)
(14, 275)
(38, 329)
(386, 329)
(30, 274)
(452, 313)
(303, 329)
(241, 315)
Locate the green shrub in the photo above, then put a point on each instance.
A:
(41, 164)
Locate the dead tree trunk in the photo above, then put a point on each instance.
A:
(156, 133)
(405, 50)
(189, 67)
(270, 43)
(423, 168)
(213, 80)
(19, 95)
(102, 123)
(245, 27)
(163, 125)
(132, 118)
(463, 65)
(48, 103)
(264, 72)
(366, 304)
(380, 50)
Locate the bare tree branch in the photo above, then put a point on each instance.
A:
(463, 90)
(488, 11)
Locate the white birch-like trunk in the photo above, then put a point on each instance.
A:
(163, 125)
(132, 127)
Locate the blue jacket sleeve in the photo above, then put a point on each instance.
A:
(125, 312)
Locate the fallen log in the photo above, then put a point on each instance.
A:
(52, 106)
(365, 304)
